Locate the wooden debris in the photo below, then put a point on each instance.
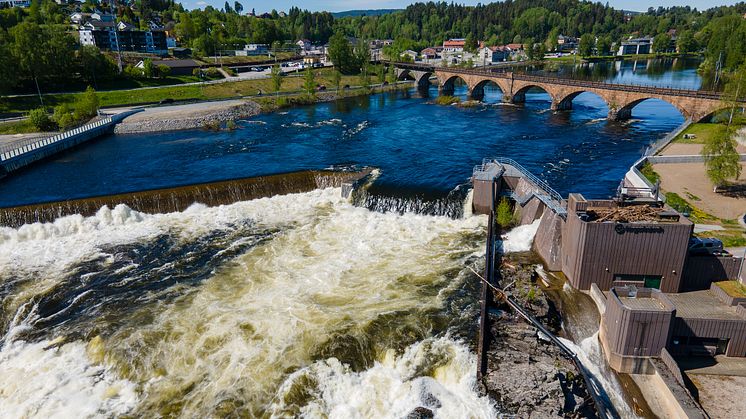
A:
(629, 214)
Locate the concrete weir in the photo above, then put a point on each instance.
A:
(179, 198)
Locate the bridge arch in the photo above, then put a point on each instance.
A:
(402, 75)
(519, 95)
(625, 111)
(477, 91)
(565, 100)
(447, 84)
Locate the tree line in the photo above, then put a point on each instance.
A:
(39, 46)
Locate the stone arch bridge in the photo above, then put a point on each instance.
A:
(695, 105)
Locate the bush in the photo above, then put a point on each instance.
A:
(504, 213)
(132, 72)
(86, 106)
(213, 73)
(163, 71)
(40, 119)
(230, 71)
(447, 100)
(63, 115)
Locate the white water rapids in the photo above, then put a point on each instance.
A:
(326, 310)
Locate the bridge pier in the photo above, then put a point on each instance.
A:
(619, 114)
(562, 105)
(476, 93)
(445, 90)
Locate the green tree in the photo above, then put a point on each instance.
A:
(94, 65)
(470, 43)
(87, 104)
(8, 71)
(585, 46)
(40, 119)
(63, 116)
(148, 69)
(336, 79)
(238, 7)
(603, 45)
(504, 213)
(28, 50)
(362, 55)
(341, 54)
(276, 78)
(661, 43)
(722, 161)
(164, 71)
(309, 82)
(685, 42)
(381, 72)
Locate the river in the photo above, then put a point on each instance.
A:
(304, 304)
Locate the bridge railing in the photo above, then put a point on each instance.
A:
(18, 148)
(501, 73)
(524, 172)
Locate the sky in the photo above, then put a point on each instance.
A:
(340, 5)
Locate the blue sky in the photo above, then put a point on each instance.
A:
(338, 5)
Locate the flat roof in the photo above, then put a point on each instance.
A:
(702, 305)
(643, 303)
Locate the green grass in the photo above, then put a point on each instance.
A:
(252, 59)
(17, 127)
(447, 100)
(702, 131)
(650, 174)
(178, 92)
(732, 288)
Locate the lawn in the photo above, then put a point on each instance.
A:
(17, 127)
(290, 83)
(703, 132)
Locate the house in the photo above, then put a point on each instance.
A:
(103, 17)
(178, 67)
(79, 18)
(99, 25)
(409, 53)
(16, 3)
(636, 46)
(170, 42)
(454, 45)
(304, 44)
(252, 50)
(566, 43)
(179, 52)
(124, 26)
(432, 52)
(494, 54)
(516, 48)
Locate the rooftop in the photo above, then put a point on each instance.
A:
(643, 303)
(702, 305)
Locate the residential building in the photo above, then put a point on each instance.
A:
(104, 36)
(431, 52)
(409, 53)
(170, 42)
(304, 44)
(253, 49)
(16, 3)
(103, 17)
(566, 43)
(124, 26)
(491, 55)
(79, 18)
(454, 45)
(636, 46)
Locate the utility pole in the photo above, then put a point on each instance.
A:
(116, 41)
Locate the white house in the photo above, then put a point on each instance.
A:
(409, 53)
(103, 17)
(304, 44)
(491, 55)
(454, 45)
(252, 49)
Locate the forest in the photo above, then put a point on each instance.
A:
(40, 46)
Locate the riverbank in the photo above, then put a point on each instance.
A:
(220, 114)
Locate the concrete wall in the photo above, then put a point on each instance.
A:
(548, 240)
(701, 271)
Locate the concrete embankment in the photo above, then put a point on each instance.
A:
(179, 198)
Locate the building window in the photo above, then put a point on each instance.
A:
(647, 281)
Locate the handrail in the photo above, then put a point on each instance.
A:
(18, 148)
(526, 173)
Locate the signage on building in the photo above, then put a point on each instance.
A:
(634, 229)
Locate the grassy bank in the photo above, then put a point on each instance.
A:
(732, 235)
(702, 132)
(17, 127)
(224, 90)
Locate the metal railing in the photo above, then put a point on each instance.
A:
(19, 148)
(524, 172)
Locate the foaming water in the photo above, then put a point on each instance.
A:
(520, 238)
(155, 315)
(591, 356)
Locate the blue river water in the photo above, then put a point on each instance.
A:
(420, 148)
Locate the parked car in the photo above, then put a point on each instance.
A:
(705, 246)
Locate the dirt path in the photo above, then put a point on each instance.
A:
(692, 178)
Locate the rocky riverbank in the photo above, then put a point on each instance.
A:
(191, 116)
(527, 375)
